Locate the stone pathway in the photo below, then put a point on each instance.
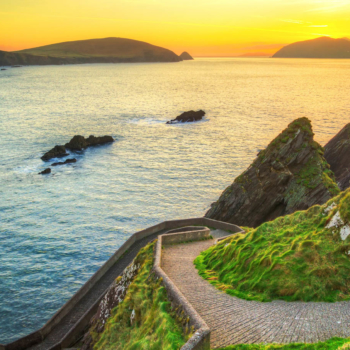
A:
(237, 321)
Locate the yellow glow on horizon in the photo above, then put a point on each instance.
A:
(201, 27)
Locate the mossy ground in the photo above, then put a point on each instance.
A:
(331, 344)
(295, 257)
(143, 320)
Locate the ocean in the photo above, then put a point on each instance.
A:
(56, 230)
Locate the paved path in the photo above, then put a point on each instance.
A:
(236, 321)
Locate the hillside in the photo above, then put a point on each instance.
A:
(290, 174)
(109, 50)
(303, 256)
(113, 48)
(323, 47)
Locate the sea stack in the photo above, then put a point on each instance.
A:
(186, 56)
(186, 117)
(290, 174)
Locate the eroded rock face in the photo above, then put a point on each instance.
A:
(190, 116)
(337, 154)
(56, 152)
(290, 174)
(111, 299)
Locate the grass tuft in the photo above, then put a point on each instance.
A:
(144, 319)
(295, 257)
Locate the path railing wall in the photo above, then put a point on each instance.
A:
(74, 333)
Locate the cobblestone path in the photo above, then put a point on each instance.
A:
(236, 321)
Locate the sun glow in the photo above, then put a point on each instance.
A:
(201, 27)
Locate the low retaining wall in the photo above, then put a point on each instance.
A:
(201, 338)
(73, 334)
(190, 234)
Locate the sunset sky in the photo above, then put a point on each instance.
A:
(201, 27)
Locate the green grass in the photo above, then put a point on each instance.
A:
(291, 258)
(331, 344)
(154, 327)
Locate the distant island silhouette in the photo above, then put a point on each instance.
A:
(108, 50)
(186, 56)
(323, 47)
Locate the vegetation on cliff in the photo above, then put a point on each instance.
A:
(331, 344)
(143, 318)
(290, 174)
(303, 256)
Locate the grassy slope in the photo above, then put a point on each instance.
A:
(108, 47)
(295, 257)
(332, 344)
(154, 326)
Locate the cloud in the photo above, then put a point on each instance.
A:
(319, 26)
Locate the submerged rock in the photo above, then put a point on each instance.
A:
(78, 142)
(190, 116)
(56, 152)
(3, 69)
(46, 171)
(290, 174)
(67, 161)
(337, 154)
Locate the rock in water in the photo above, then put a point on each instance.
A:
(186, 56)
(46, 171)
(67, 161)
(337, 154)
(78, 142)
(56, 152)
(290, 174)
(190, 116)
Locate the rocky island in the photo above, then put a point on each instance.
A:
(108, 50)
(186, 56)
(324, 47)
(186, 117)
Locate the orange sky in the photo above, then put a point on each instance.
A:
(201, 27)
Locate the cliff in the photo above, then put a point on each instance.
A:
(108, 50)
(337, 154)
(323, 47)
(290, 174)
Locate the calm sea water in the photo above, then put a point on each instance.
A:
(57, 230)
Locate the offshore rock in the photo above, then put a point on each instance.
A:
(290, 174)
(186, 56)
(337, 154)
(67, 161)
(78, 142)
(56, 152)
(190, 116)
(46, 171)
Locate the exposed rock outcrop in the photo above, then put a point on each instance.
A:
(78, 142)
(337, 154)
(67, 161)
(190, 116)
(110, 300)
(186, 56)
(290, 174)
(56, 152)
(46, 171)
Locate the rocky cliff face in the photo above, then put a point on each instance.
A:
(290, 174)
(337, 154)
